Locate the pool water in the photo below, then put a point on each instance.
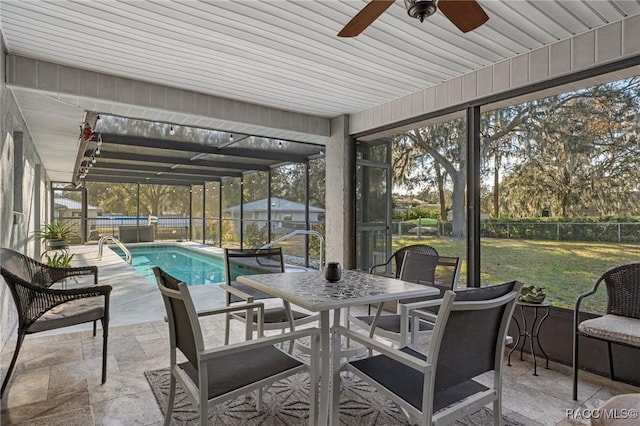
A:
(191, 266)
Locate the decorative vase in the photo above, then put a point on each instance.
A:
(55, 244)
(333, 272)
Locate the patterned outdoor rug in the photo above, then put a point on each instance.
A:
(287, 403)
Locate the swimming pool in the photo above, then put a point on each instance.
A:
(189, 265)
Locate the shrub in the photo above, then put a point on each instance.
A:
(255, 236)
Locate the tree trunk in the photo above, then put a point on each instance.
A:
(496, 186)
(459, 218)
(441, 195)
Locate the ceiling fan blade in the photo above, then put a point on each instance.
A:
(365, 17)
(467, 15)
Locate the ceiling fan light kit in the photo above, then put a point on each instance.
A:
(466, 15)
(420, 9)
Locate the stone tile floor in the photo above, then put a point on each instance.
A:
(59, 373)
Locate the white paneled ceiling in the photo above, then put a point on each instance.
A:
(285, 54)
(282, 54)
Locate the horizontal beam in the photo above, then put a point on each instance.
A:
(140, 175)
(127, 156)
(150, 181)
(204, 173)
(172, 145)
(227, 114)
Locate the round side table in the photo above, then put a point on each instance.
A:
(532, 332)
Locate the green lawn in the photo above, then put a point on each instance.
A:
(425, 221)
(564, 269)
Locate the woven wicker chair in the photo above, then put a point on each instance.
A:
(42, 308)
(620, 324)
(36, 272)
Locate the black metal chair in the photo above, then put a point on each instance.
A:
(441, 387)
(213, 375)
(41, 307)
(621, 322)
(258, 261)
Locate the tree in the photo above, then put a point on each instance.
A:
(581, 153)
(500, 141)
(288, 182)
(156, 200)
(575, 152)
(442, 146)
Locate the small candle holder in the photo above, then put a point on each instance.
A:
(333, 272)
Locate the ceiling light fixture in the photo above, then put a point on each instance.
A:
(171, 131)
(88, 163)
(420, 9)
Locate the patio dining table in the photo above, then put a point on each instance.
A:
(310, 290)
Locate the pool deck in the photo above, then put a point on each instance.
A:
(134, 299)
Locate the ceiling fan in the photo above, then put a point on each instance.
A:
(467, 15)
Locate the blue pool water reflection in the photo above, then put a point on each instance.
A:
(189, 265)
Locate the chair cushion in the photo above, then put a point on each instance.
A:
(392, 323)
(615, 328)
(231, 372)
(408, 383)
(274, 315)
(70, 313)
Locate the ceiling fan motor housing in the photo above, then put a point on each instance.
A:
(420, 8)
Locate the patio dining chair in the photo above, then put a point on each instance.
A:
(394, 262)
(621, 322)
(436, 271)
(258, 261)
(211, 375)
(442, 386)
(393, 265)
(41, 307)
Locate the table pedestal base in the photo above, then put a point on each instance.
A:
(532, 334)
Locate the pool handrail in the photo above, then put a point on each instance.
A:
(299, 232)
(117, 242)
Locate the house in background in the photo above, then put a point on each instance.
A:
(68, 208)
(286, 215)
